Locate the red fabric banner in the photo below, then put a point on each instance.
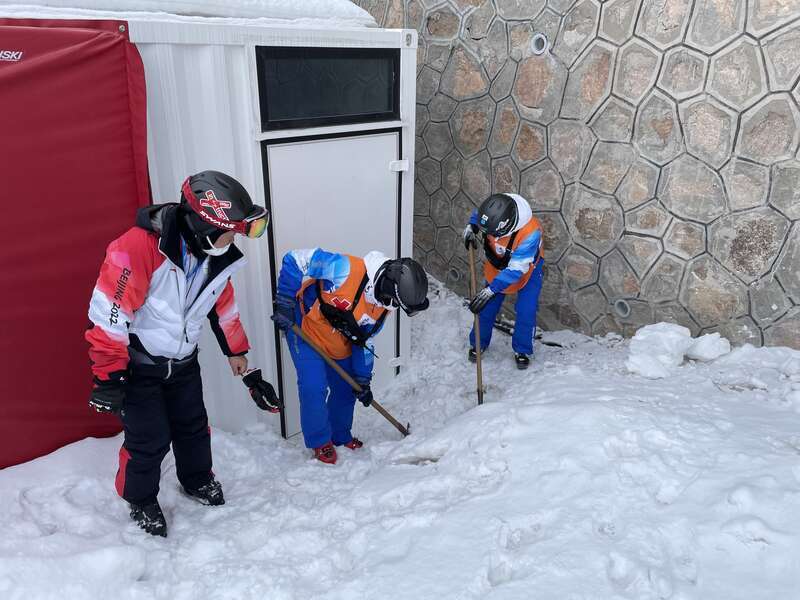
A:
(73, 171)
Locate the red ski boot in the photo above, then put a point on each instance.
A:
(354, 444)
(326, 453)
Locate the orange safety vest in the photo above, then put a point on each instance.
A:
(496, 261)
(316, 325)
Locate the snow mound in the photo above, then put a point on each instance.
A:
(656, 350)
(315, 12)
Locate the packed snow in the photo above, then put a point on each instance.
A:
(307, 13)
(576, 480)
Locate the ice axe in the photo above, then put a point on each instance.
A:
(473, 289)
(353, 384)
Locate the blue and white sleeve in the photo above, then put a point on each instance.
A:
(313, 263)
(473, 218)
(521, 259)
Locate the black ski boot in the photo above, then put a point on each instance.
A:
(209, 494)
(150, 518)
(522, 360)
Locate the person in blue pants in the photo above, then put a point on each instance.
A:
(512, 242)
(339, 302)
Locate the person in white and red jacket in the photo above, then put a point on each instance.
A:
(159, 283)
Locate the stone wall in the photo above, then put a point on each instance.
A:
(656, 140)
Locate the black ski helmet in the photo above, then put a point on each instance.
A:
(402, 282)
(213, 203)
(497, 215)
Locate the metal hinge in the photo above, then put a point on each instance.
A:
(398, 165)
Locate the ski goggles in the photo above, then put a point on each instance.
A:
(409, 310)
(252, 226)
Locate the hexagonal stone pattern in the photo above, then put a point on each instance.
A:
(607, 166)
(452, 168)
(737, 76)
(637, 69)
(768, 301)
(429, 173)
(555, 234)
(595, 220)
(571, 145)
(639, 185)
(471, 125)
(541, 185)
(641, 252)
(715, 22)
(519, 9)
(766, 15)
(504, 130)
(658, 133)
(463, 78)
(748, 243)
(505, 176)
(438, 140)
(590, 302)
(781, 51)
(684, 72)
(711, 294)
(675, 313)
(786, 268)
(691, 190)
(708, 129)
(441, 108)
(589, 82)
(785, 191)
(617, 279)
(478, 21)
(650, 219)
(443, 23)
(685, 239)
(614, 121)
(664, 280)
(746, 183)
(618, 19)
(539, 85)
(579, 268)
(738, 331)
(530, 146)
(786, 332)
(579, 26)
(656, 143)
(476, 181)
(504, 81)
(769, 131)
(663, 22)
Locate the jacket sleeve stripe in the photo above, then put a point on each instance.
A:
(226, 325)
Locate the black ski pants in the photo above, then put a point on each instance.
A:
(163, 407)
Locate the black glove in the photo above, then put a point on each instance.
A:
(471, 236)
(481, 299)
(365, 395)
(108, 396)
(283, 312)
(262, 393)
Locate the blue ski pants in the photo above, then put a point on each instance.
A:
(526, 307)
(326, 400)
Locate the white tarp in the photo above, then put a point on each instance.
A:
(342, 12)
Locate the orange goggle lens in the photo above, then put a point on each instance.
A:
(255, 229)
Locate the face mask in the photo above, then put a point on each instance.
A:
(212, 250)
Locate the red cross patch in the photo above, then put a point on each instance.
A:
(341, 303)
(216, 205)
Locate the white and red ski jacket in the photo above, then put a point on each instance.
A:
(140, 296)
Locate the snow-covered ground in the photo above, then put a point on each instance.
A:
(576, 480)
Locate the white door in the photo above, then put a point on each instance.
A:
(338, 194)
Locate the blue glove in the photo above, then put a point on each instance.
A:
(365, 395)
(283, 312)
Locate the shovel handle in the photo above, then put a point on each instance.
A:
(346, 376)
(473, 289)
